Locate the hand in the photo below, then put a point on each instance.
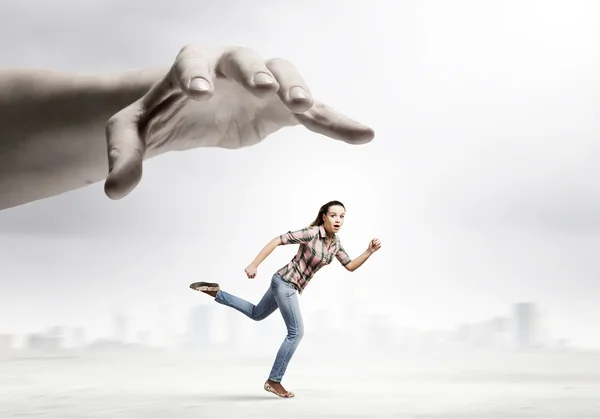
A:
(374, 245)
(251, 271)
(227, 97)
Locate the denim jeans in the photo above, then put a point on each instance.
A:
(280, 295)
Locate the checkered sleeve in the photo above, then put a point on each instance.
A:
(342, 256)
(299, 236)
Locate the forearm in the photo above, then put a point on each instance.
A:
(357, 263)
(52, 128)
(265, 252)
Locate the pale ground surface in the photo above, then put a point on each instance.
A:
(149, 385)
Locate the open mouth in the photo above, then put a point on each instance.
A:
(336, 226)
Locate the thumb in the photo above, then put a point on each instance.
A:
(323, 119)
(125, 155)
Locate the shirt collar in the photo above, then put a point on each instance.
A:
(323, 233)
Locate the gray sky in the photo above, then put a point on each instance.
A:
(482, 182)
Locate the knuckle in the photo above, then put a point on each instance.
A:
(280, 64)
(182, 63)
(237, 51)
(112, 123)
(186, 50)
(230, 53)
(276, 61)
(113, 152)
(243, 57)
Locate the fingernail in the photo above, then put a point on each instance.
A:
(263, 78)
(298, 93)
(200, 84)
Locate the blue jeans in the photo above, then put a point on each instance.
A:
(282, 295)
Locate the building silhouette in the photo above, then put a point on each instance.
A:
(199, 331)
(120, 328)
(79, 338)
(7, 343)
(526, 321)
(44, 342)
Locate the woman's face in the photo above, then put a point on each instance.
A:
(334, 219)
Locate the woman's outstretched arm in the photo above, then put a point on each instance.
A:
(291, 237)
(262, 255)
(354, 264)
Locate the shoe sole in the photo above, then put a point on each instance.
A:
(204, 286)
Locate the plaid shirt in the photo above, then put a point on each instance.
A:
(312, 255)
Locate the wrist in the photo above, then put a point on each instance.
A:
(131, 84)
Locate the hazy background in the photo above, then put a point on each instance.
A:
(482, 182)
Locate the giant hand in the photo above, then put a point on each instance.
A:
(227, 97)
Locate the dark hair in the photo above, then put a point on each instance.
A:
(319, 220)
